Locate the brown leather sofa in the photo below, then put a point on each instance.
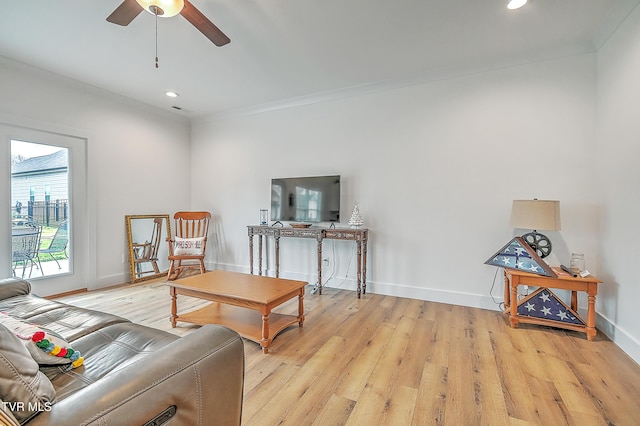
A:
(131, 375)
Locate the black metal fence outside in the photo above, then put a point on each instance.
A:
(49, 213)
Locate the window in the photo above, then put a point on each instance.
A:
(81, 248)
(40, 209)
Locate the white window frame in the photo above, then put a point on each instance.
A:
(79, 248)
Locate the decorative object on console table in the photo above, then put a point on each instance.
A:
(536, 215)
(545, 308)
(356, 218)
(264, 216)
(518, 255)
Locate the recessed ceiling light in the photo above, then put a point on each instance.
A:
(516, 4)
(172, 94)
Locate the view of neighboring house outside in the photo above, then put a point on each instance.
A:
(40, 187)
(39, 207)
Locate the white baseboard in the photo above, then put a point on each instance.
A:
(619, 336)
(480, 301)
(109, 280)
(433, 295)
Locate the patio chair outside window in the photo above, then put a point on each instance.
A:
(25, 242)
(57, 245)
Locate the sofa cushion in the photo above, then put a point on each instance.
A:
(24, 390)
(72, 322)
(106, 351)
(11, 287)
(45, 347)
(28, 305)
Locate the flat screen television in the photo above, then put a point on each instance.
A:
(306, 199)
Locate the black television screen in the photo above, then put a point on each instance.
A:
(306, 199)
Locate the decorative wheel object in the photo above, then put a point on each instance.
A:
(539, 242)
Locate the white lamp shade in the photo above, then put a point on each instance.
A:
(538, 215)
(169, 7)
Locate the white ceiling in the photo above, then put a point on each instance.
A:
(291, 50)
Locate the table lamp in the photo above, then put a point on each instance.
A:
(536, 215)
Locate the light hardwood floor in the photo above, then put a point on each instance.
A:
(385, 360)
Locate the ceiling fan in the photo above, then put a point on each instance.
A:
(129, 9)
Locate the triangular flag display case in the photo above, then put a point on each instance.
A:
(517, 254)
(544, 304)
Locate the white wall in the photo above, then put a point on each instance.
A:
(136, 157)
(618, 171)
(434, 168)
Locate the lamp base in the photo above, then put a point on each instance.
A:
(539, 242)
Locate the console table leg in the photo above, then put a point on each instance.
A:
(359, 267)
(319, 265)
(259, 254)
(250, 253)
(364, 266)
(277, 250)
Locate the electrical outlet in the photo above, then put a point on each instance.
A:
(122, 257)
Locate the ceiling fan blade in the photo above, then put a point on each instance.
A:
(125, 13)
(203, 24)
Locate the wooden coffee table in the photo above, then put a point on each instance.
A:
(241, 302)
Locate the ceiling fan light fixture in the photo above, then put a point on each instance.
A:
(163, 8)
(515, 4)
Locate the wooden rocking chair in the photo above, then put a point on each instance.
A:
(189, 243)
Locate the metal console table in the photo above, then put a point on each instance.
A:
(359, 235)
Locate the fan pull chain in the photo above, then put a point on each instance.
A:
(156, 13)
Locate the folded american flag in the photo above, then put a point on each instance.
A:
(542, 303)
(517, 254)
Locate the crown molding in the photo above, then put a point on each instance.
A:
(395, 84)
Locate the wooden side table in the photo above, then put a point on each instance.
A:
(516, 310)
